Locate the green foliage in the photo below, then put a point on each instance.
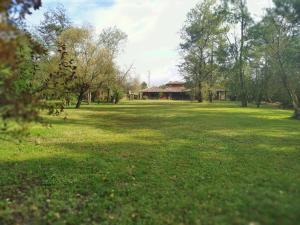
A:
(279, 38)
(17, 98)
(118, 94)
(54, 22)
(111, 39)
(203, 44)
(254, 64)
(94, 59)
(20, 8)
(17, 64)
(144, 85)
(25, 70)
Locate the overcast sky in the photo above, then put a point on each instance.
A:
(152, 27)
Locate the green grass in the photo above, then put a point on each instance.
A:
(155, 162)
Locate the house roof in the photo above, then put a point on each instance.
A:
(175, 82)
(171, 87)
(175, 89)
(152, 90)
(165, 90)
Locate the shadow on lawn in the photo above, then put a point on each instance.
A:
(159, 117)
(200, 157)
(244, 135)
(196, 152)
(91, 165)
(249, 131)
(145, 105)
(147, 180)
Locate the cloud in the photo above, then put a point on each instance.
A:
(152, 28)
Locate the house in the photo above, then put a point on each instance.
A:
(172, 90)
(177, 91)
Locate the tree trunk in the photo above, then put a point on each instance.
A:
(210, 96)
(297, 113)
(210, 93)
(244, 99)
(259, 96)
(200, 97)
(243, 93)
(68, 101)
(89, 97)
(79, 100)
(296, 103)
(258, 102)
(291, 91)
(108, 95)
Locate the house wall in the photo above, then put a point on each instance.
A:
(166, 95)
(151, 95)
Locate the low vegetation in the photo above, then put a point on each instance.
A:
(154, 162)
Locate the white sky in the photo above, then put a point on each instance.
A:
(152, 27)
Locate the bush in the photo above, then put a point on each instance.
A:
(118, 94)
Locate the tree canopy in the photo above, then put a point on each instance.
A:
(254, 61)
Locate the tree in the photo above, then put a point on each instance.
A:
(55, 21)
(121, 84)
(58, 85)
(144, 85)
(111, 39)
(18, 51)
(18, 99)
(281, 40)
(94, 59)
(10, 13)
(238, 15)
(202, 37)
(259, 65)
(274, 55)
(15, 10)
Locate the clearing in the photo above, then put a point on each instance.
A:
(155, 162)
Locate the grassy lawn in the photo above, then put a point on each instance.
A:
(155, 162)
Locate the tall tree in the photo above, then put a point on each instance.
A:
(260, 65)
(54, 22)
(281, 35)
(112, 38)
(239, 17)
(93, 58)
(202, 39)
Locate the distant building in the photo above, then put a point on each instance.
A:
(172, 90)
(177, 91)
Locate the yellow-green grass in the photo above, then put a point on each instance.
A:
(154, 162)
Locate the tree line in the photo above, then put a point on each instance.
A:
(56, 63)
(256, 61)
